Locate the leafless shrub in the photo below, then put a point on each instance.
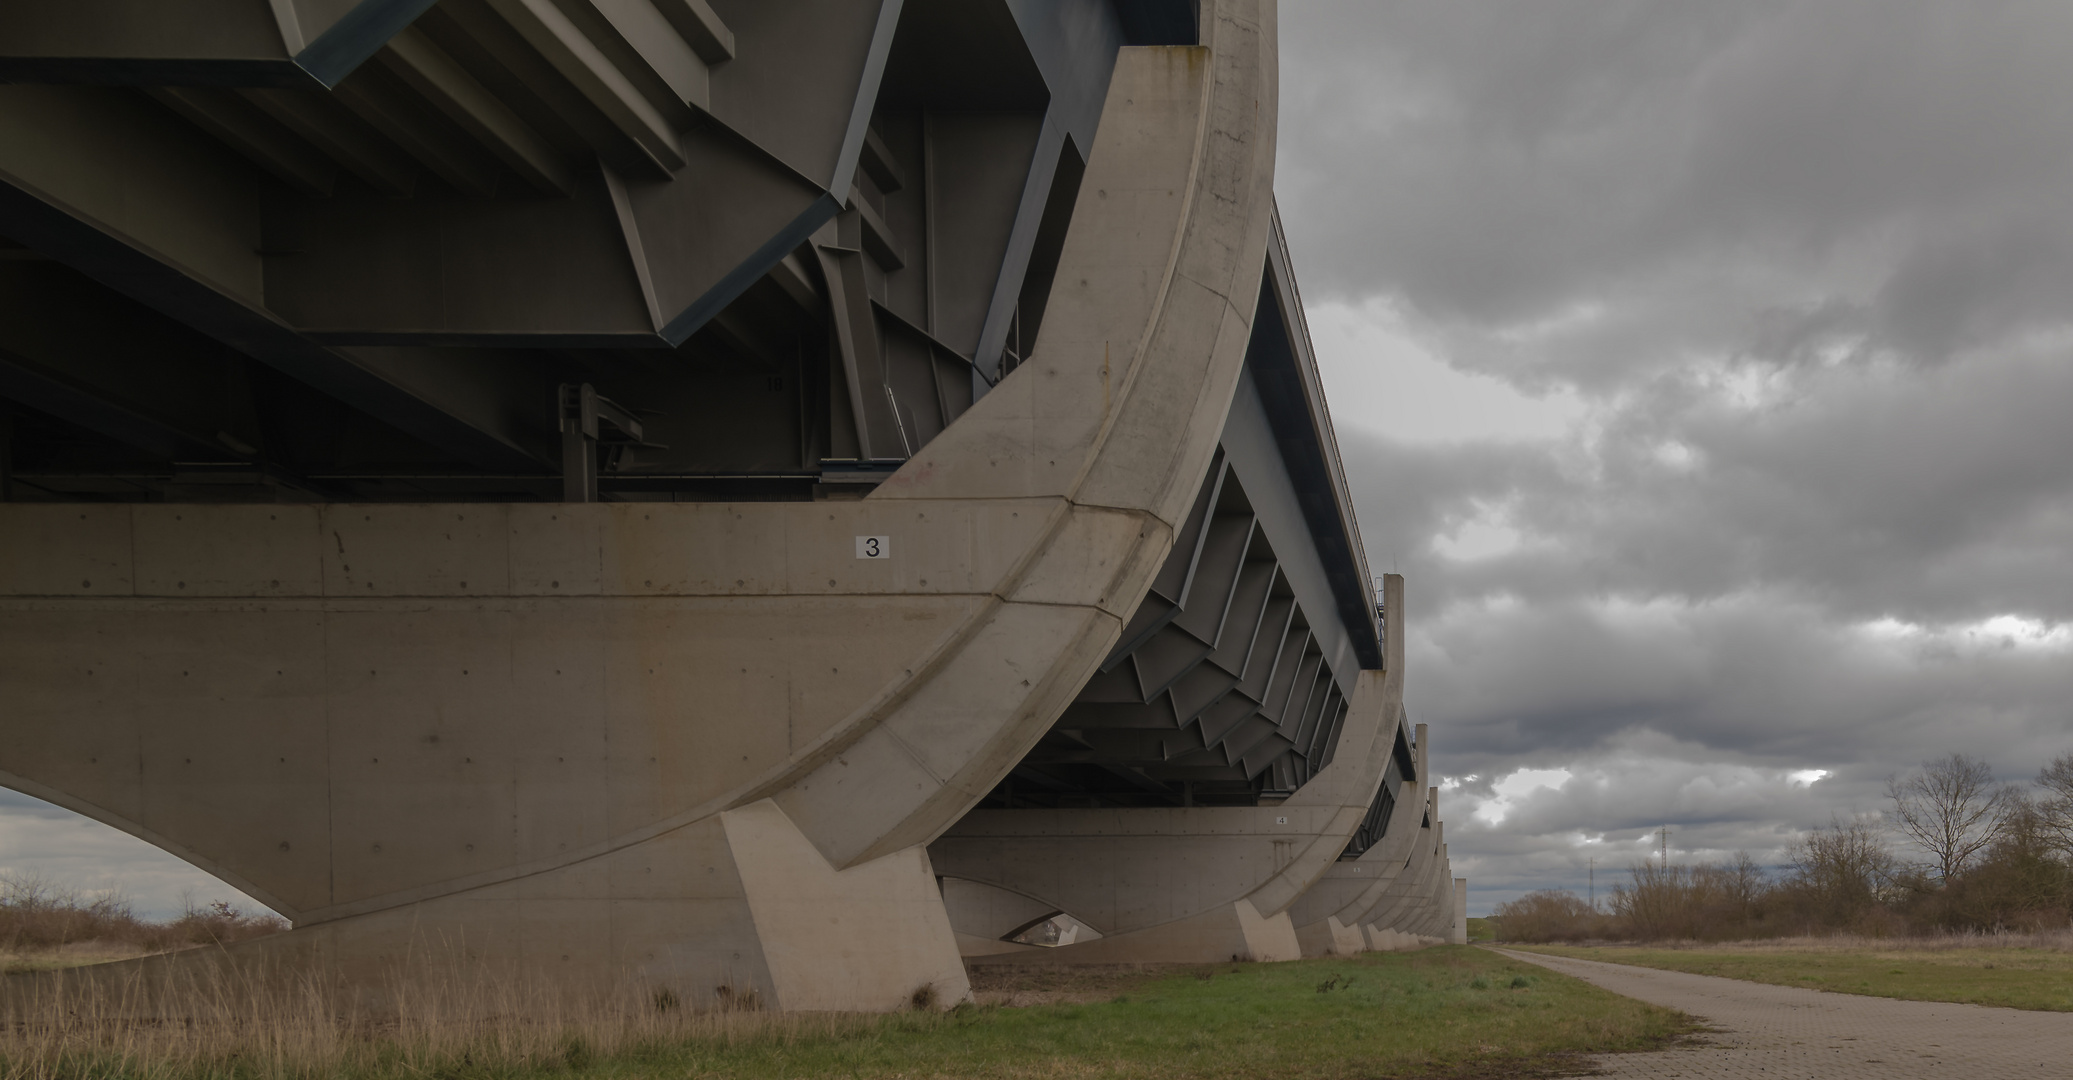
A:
(1843, 880)
(1549, 915)
(1840, 877)
(2003, 865)
(1707, 902)
(39, 915)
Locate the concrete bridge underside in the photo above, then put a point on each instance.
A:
(418, 509)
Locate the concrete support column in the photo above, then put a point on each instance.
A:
(1461, 911)
(738, 909)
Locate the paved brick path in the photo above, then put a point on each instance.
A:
(1785, 1033)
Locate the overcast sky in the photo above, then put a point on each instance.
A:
(1704, 368)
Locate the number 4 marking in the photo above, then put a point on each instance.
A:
(874, 547)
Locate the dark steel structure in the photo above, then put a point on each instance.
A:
(793, 240)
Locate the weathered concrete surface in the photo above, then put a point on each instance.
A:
(1762, 1031)
(610, 737)
(1411, 900)
(990, 913)
(1198, 884)
(1433, 916)
(1396, 903)
(984, 917)
(1436, 905)
(1400, 902)
(1460, 911)
(1329, 915)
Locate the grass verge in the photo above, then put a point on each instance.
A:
(2012, 977)
(1447, 1011)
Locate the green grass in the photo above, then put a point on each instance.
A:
(2017, 978)
(1438, 1011)
(1482, 930)
(1448, 1011)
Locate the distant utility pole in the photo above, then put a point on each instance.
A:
(1594, 884)
(1664, 832)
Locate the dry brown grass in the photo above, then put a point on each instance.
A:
(44, 925)
(203, 1016)
(1453, 1012)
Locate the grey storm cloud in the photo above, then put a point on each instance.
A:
(1904, 165)
(1808, 267)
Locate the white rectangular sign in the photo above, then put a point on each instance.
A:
(874, 547)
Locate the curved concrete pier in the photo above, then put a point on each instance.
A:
(627, 492)
(1328, 917)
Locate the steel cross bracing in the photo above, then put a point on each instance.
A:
(355, 261)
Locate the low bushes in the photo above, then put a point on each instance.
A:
(1842, 879)
(2001, 862)
(36, 915)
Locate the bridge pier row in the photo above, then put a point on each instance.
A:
(1330, 916)
(1352, 886)
(1198, 885)
(1209, 884)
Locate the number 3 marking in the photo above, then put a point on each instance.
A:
(874, 547)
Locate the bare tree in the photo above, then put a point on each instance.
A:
(1842, 870)
(1952, 808)
(2055, 809)
(1548, 915)
(1742, 882)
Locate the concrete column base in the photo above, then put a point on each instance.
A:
(866, 938)
(1381, 939)
(738, 910)
(1235, 931)
(1331, 937)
